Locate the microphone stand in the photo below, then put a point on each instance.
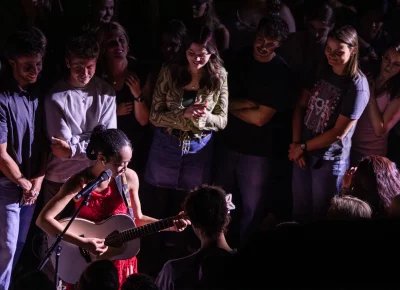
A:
(56, 245)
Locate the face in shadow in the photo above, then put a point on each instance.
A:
(116, 45)
(318, 31)
(104, 11)
(199, 8)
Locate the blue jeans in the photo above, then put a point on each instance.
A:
(14, 226)
(249, 175)
(314, 186)
(167, 167)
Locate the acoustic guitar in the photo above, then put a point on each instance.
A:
(121, 236)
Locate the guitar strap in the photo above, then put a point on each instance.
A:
(123, 189)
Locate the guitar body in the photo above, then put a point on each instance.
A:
(74, 260)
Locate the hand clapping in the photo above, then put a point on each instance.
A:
(196, 110)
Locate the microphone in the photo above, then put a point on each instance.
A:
(94, 183)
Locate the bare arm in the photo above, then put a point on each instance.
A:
(47, 217)
(140, 218)
(238, 104)
(141, 109)
(383, 123)
(133, 181)
(287, 15)
(259, 116)
(298, 115)
(342, 126)
(8, 166)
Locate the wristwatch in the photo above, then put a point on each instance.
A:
(303, 146)
(139, 99)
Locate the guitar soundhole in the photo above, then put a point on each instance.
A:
(114, 240)
(85, 253)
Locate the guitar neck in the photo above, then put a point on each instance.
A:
(136, 233)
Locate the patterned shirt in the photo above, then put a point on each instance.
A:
(167, 109)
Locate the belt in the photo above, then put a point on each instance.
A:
(185, 137)
(179, 133)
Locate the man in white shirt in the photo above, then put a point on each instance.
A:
(74, 106)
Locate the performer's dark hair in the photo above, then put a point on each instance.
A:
(107, 141)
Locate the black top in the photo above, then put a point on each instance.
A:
(128, 123)
(140, 136)
(188, 98)
(269, 84)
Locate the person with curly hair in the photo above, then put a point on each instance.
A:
(375, 180)
(259, 121)
(21, 174)
(73, 107)
(207, 209)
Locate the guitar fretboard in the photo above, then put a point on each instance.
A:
(145, 230)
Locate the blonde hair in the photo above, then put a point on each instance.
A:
(102, 35)
(106, 28)
(349, 208)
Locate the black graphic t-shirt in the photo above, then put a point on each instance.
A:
(331, 96)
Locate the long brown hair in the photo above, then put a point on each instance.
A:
(376, 181)
(393, 84)
(348, 35)
(210, 18)
(211, 80)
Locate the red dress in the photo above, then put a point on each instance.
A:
(100, 207)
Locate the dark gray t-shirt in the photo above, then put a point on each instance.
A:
(185, 273)
(331, 96)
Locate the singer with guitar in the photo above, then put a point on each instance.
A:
(118, 195)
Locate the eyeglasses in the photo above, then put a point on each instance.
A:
(203, 55)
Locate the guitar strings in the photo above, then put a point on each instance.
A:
(119, 235)
(135, 230)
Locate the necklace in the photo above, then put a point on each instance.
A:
(113, 79)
